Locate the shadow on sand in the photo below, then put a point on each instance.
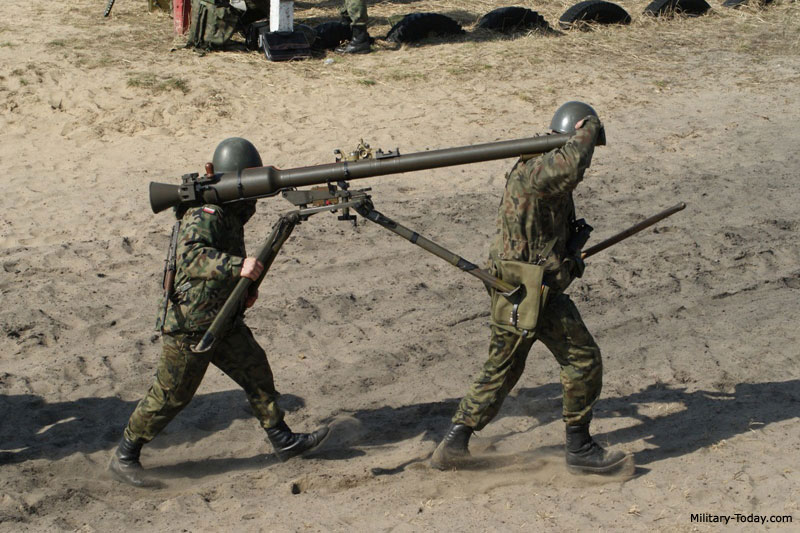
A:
(34, 429)
(31, 428)
(698, 419)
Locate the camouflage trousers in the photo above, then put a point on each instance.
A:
(356, 10)
(562, 330)
(180, 372)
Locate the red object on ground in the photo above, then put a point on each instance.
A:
(181, 13)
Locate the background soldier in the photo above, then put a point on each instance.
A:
(354, 13)
(210, 259)
(537, 214)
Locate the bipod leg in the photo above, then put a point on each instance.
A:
(636, 228)
(369, 213)
(266, 255)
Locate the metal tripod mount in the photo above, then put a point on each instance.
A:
(332, 198)
(367, 211)
(321, 202)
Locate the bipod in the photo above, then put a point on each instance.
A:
(636, 228)
(266, 255)
(368, 211)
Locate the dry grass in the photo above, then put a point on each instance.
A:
(649, 44)
(656, 49)
(157, 84)
(647, 40)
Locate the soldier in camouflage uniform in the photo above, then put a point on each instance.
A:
(210, 259)
(354, 13)
(537, 214)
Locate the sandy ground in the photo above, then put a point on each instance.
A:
(697, 318)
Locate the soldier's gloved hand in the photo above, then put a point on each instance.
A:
(575, 266)
(252, 268)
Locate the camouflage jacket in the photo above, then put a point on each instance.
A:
(537, 206)
(209, 260)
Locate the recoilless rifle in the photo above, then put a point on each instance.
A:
(332, 194)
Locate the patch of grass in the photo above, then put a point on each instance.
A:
(468, 68)
(402, 75)
(58, 43)
(157, 84)
(17, 72)
(177, 84)
(104, 61)
(7, 45)
(367, 81)
(143, 81)
(23, 82)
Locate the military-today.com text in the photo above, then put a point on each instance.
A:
(739, 518)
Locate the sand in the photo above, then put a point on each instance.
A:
(697, 317)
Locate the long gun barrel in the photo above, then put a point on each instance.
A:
(266, 181)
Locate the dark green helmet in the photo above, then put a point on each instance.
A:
(571, 113)
(234, 154)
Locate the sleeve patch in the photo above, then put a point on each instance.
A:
(209, 210)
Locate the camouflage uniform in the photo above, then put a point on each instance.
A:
(356, 11)
(210, 255)
(537, 207)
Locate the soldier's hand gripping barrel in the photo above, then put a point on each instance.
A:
(260, 182)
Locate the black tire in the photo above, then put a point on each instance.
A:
(418, 26)
(510, 20)
(596, 11)
(670, 7)
(331, 34)
(738, 3)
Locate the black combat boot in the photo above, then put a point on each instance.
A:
(453, 449)
(359, 44)
(585, 456)
(125, 465)
(288, 444)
